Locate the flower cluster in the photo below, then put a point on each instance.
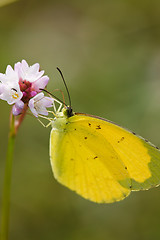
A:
(22, 86)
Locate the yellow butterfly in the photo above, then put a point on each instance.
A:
(100, 160)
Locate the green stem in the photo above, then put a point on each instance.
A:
(15, 123)
(7, 182)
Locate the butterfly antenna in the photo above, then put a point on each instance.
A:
(44, 90)
(65, 86)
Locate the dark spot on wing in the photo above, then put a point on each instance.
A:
(95, 157)
(151, 144)
(122, 138)
(154, 146)
(133, 133)
(72, 159)
(75, 129)
(98, 127)
(89, 124)
(85, 137)
(125, 167)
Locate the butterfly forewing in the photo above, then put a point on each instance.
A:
(141, 158)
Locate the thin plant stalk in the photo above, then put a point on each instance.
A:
(14, 126)
(7, 181)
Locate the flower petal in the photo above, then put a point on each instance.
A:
(38, 97)
(10, 77)
(47, 102)
(10, 93)
(40, 83)
(1, 88)
(39, 103)
(17, 108)
(9, 70)
(28, 73)
(43, 111)
(32, 107)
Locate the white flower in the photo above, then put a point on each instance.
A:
(28, 73)
(21, 86)
(9, 87)
(31, 74)
(39, 103)
(9, 76)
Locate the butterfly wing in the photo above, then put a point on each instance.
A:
(100, 160)
(83, 160)
(141, 158)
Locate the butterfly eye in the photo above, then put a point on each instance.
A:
(69, 111)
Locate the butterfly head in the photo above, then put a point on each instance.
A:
(67, 111)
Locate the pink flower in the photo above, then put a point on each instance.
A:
(31, 74)
(39, 103)
(28, 73)
(30, 79)
(9, 86)
(21, 85)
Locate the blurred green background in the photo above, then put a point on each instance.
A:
(109, 52)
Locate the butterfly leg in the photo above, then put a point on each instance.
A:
(44, 124)
(55, 109)
(60, 106)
